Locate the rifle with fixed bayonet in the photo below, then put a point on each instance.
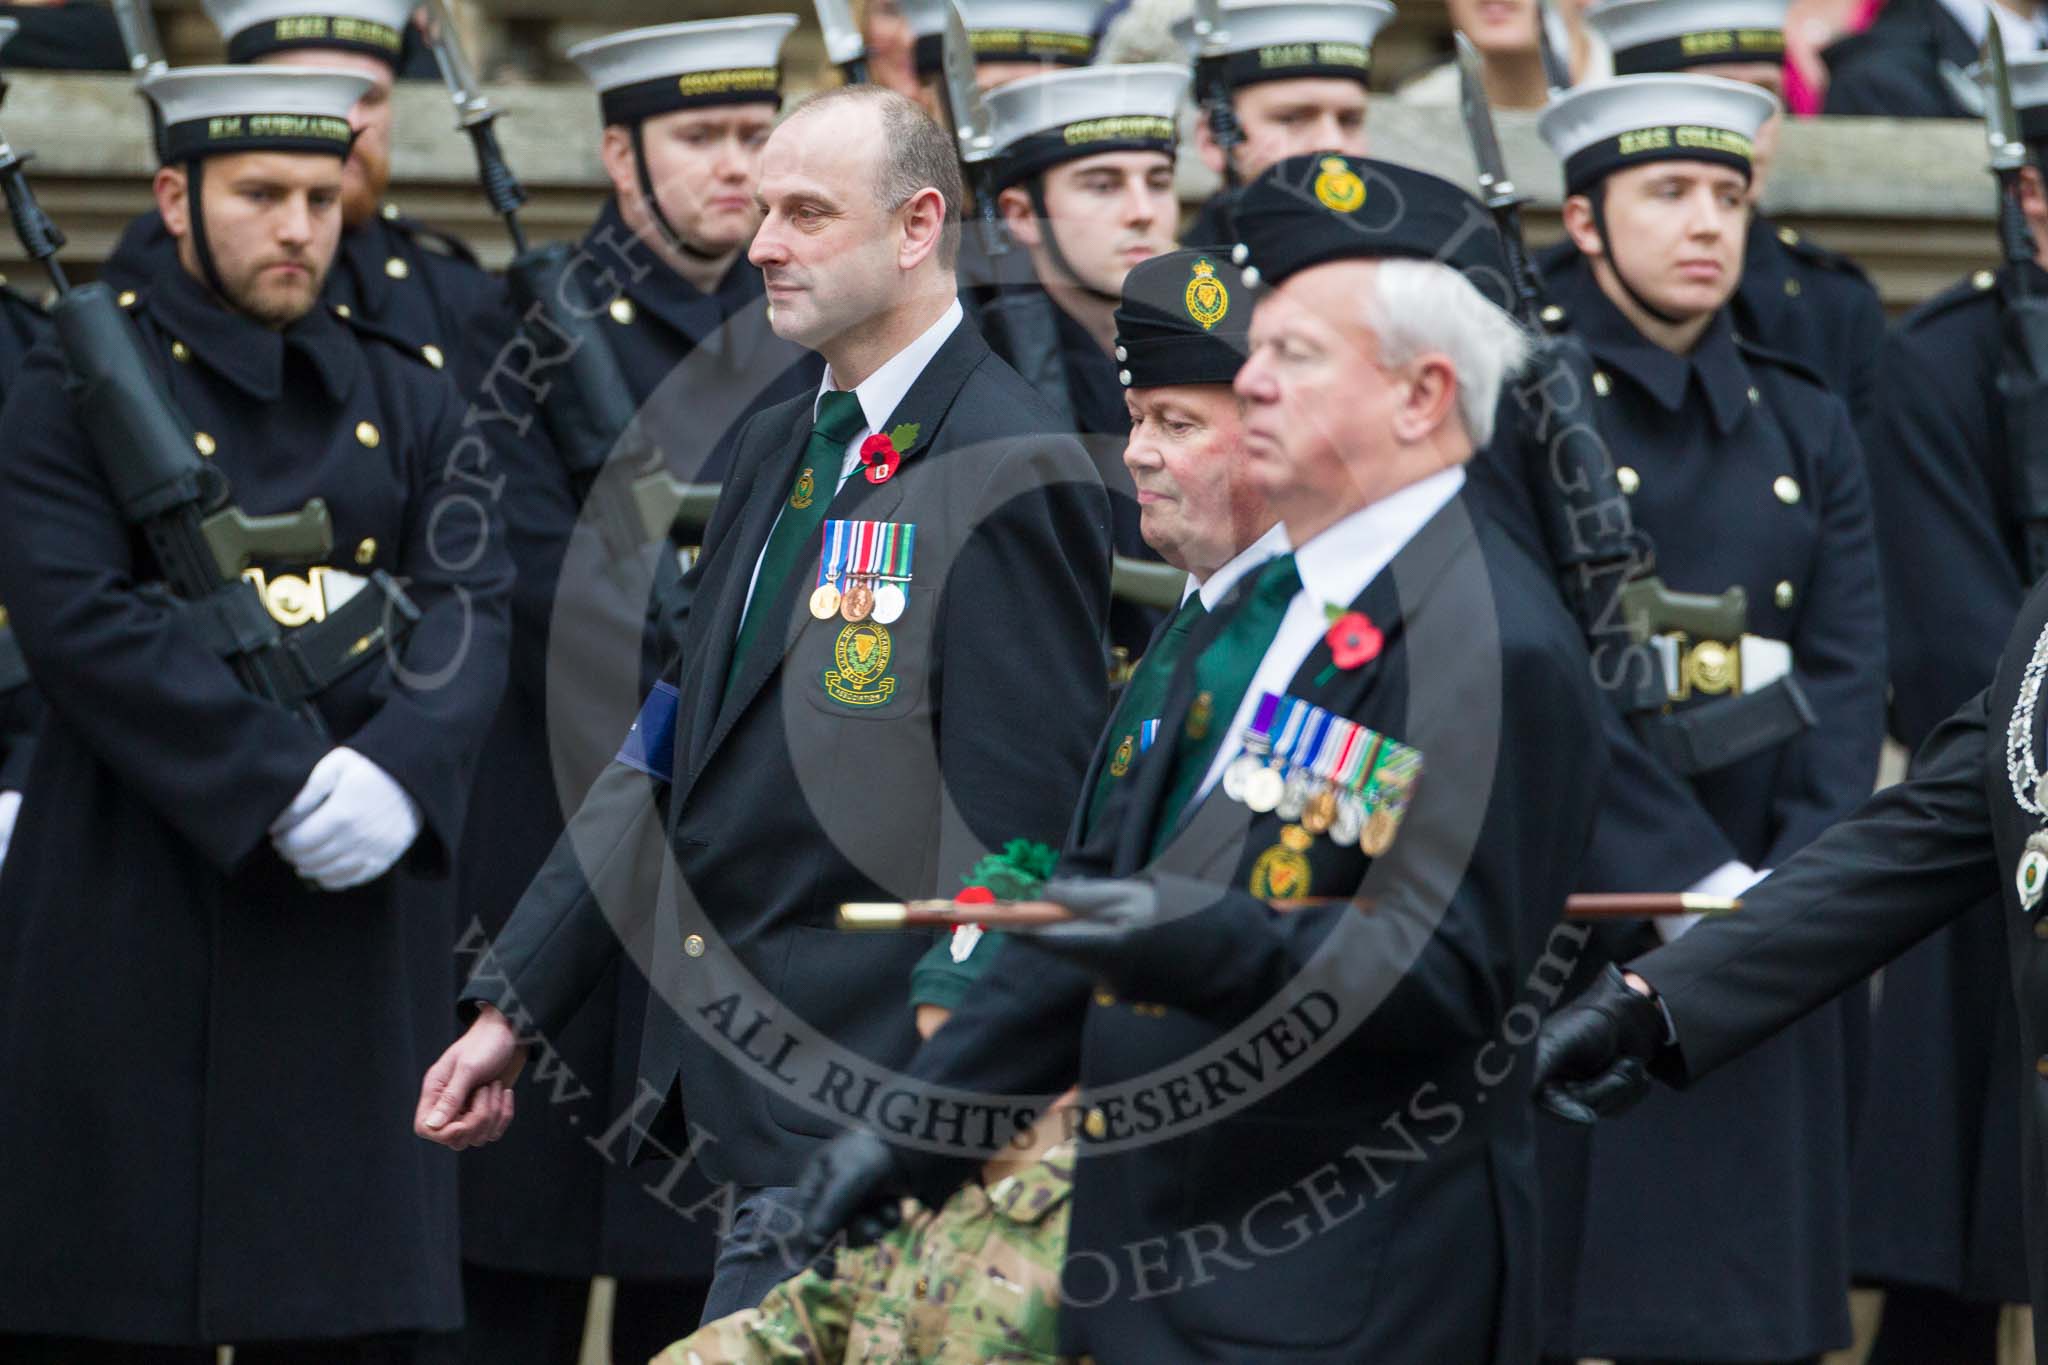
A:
(1651, 646)
(2023, 313)
(845, 48)
(183, 506)
(145, 57)
(589, 410)
(1014, 311)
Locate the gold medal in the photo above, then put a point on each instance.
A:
(1320, 812)
(825, 602)
(858, 602)
(1379, 832)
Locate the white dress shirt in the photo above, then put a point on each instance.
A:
(879, 395)
(1335, 568)
(1217, 585)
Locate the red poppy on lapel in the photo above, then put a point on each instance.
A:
(1354, 640)
(975, 895)
(881, 457)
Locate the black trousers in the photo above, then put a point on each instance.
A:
(519, 1319)
(406, 1348)
(1933, 1327)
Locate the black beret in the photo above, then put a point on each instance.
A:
(1182, 320)
(1309, 210)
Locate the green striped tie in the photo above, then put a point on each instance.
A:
(796, 533)
(1223, 673)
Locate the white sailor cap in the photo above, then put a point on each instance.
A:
(1607, 126)
(1671, 35)
(648, 71)
(1060, 32)
(215, 110)
(255, 28)
(1293, 38)
(1041, 121)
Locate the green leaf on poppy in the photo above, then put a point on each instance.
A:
(904, 437)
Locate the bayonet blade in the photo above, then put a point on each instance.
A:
(963, 92)
(464, 89)
(139, 37)
(1494, 185)
(1209, 31)
(1557, 72)
(843, 42)
(2001, 120)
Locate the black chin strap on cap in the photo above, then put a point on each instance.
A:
(648, 197)
(196, 213)
(1036, 189)
(1599, 201)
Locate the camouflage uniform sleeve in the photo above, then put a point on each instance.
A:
(803, 1321)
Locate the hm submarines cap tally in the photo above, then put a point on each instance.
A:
(256, 28)
(1673, 35)
(1290, 39)
(644, 72)
(1609, 126)
(1183, 320)
(1309, 210)
(1060, 32)
(216, 110)
(1041, 121)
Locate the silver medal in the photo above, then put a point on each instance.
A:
(1350, 821)
(1238, 775)
(1294, 796)
(2032, 876)
(1262, 790)
(889, 603)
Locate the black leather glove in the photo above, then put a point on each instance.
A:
(853, 1184)
(1183, 945)
(1593, 1056)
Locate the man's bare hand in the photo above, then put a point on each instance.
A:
(466, 1098)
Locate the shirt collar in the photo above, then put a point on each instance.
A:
(1214, 588)
(1665, 376)
(1336, 566)
(883, 390)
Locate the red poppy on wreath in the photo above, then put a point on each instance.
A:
(880, 455)
(1353, 640)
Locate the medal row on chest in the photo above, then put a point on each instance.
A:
(1333, 777)
(864, 571)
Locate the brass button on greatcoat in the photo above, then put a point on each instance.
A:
(1602, 385)
(203, 443)
(693, 946)
(396, 268)
(367, 433)
(622, 312)
(1096, 1125)
(1629, 480)
(1787, 489)
(433, 355)
(1784, 595)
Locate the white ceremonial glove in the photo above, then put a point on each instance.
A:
(1729, 879)
(348, 825)
(10, 807)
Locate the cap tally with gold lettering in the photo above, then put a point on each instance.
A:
(1612, 125)
(1182, 320)
(644, 72)
(1058, 32)
(1040, 121)
(257, 28)
(1674, 35)
(1309, 210)
(216, 110)
(1295, 38)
